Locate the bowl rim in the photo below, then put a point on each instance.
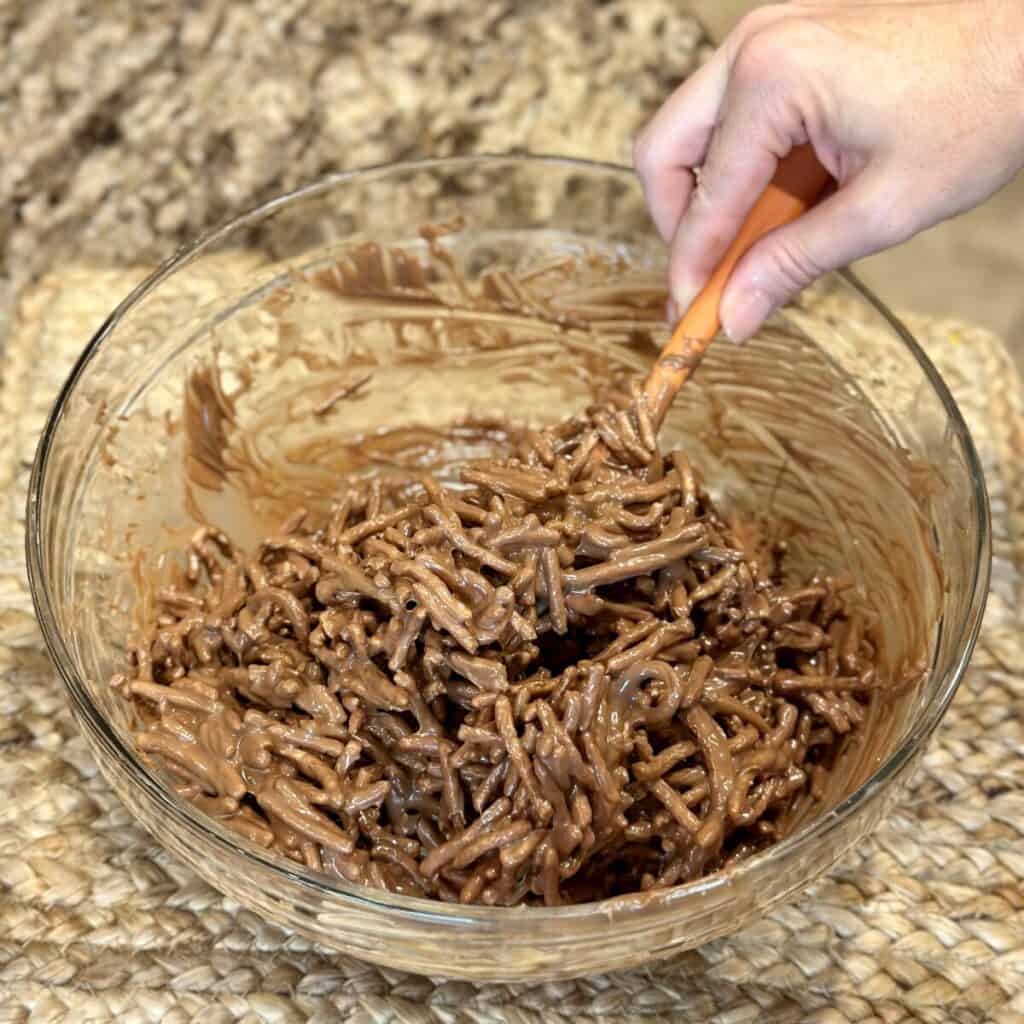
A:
(422, 908)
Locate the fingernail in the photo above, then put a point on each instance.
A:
(683, 294)
(742, 313)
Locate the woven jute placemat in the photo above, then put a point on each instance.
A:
(923, 922)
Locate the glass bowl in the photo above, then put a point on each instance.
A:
(218, 373)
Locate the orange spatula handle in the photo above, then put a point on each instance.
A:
(797, 185)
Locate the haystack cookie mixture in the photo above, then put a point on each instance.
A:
(564, 679)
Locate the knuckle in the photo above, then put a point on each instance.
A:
(758, 19)
(757, 62)
(777, 51)
(895, 225)
(709, 211)
(795, 268)
(886, 221)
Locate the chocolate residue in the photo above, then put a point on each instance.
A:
(556, 680)
(209, 419)
(351, 334)
(345, 391)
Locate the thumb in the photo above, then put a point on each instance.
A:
(860, 219)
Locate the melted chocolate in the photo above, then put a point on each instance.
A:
(560, 680)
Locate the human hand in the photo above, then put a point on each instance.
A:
(915, 107)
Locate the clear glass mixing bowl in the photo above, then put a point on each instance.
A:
(832, 418)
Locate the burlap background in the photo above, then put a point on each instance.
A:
(129, 126)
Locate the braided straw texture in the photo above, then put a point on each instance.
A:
(924, 922)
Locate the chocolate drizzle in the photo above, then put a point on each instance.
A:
(555, 681)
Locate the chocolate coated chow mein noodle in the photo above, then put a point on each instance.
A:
(564, 679)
